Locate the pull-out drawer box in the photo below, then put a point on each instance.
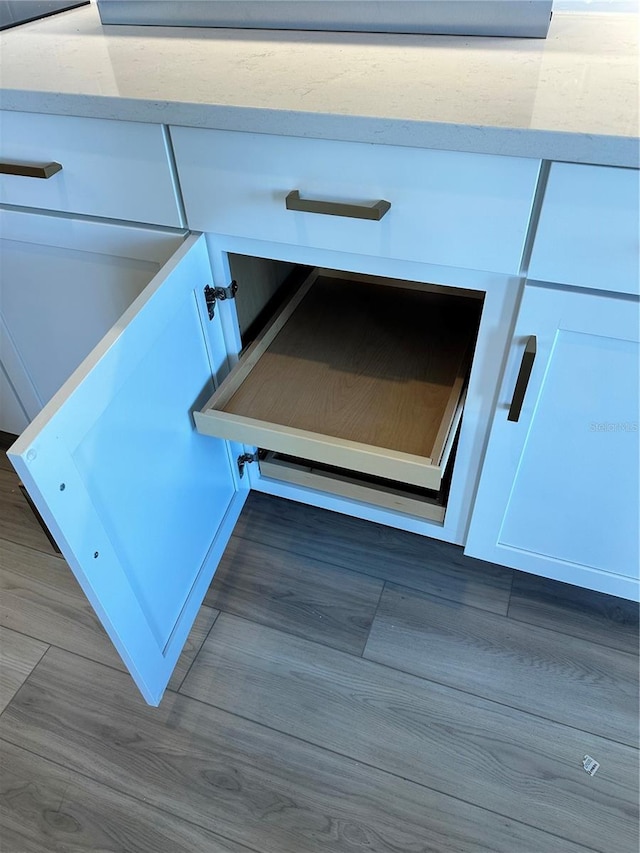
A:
(359, 373)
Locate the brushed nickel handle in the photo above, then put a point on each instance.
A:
(29, 170)
(524, 374)
(337, 208)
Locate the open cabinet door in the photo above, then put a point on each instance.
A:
(141, 505)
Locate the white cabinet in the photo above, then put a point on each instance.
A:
(441, 218)
(559, 493)
(64, 283)
(141, 505)
(115, 169)
(589, 234)
(438, 207)
(559, 489)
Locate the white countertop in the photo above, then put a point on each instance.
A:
(573, 96)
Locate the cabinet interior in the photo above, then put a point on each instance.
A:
(349, 368)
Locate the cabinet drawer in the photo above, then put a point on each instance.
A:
(358, 373)
(118, 170)
(447, 208)
(420, 503)
(589, 229)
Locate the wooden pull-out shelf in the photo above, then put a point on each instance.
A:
(410, 500)
(361, 374)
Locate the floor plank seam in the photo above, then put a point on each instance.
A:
(195, 657)
(329, 611)
(502, 704)
(556, 631)
(128, 795)
(391, 773)
(364, 574)
(385, 581)
(373, 619)
(511, 580)
(420, 678)
(288, 633)
(110, 666)
(362, 656)
(604, 645)
(179, 691)
(26, 636)
(33, 669)
(50, 553)
(40, 640)
(55, 646)
(76, 654)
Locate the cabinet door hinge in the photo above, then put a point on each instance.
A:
(220, 293)
(245, 459)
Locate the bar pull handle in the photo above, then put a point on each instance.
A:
(29, 170)
(524, 374)
(374, 211)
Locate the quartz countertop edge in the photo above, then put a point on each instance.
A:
(572, 97)
(515, 142)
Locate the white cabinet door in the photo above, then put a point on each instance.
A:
(559, 489)
(63, 284)
(141, 505)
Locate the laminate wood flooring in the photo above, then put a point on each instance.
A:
(486, 753)
(580, 612)
(372, 549)
(345, 688)
(46, 807)
(248, 782)
(559, 677)
(17, 521)
(18, 656)
(296, 593)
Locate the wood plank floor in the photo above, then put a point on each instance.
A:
(345, 688)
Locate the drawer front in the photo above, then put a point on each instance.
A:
(589, 228)
(447, 208)
(118, 170)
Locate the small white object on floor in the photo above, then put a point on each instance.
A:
(590, 765)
